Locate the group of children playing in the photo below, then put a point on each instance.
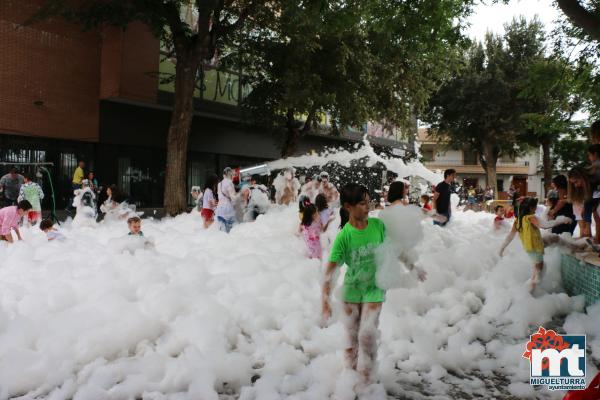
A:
(11, 216)
(314, 219)
(356, 244)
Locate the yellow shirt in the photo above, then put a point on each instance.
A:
(78, 176)
(530, 235)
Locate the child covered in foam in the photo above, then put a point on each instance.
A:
(355, 246)
(47, 226)
(134, 240)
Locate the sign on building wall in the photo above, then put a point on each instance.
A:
(212, 84)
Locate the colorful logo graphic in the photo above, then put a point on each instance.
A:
(557, 361)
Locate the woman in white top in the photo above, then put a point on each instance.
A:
(225, 211)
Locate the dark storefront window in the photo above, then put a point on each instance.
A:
(140, 180)
(27, 153)
(200, 165)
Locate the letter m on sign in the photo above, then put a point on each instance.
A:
(554, 361)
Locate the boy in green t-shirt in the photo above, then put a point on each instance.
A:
(355, 246)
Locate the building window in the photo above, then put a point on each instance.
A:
(500, 184)
(470, 158)
(427, 155)
(507, 159)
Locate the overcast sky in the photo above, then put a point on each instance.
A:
(493, 17)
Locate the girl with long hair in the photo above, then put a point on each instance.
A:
(527, 225)
(209, 200)
(580, 195)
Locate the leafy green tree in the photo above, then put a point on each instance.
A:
(354, 62)
(480, 108)
(571, 148)
(553, 95)
(192, 44)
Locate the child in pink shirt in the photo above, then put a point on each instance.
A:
(10, 218)
(310, 227)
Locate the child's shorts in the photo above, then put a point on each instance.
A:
(536, 256)
(207, 214)
(363, 294)
(588, 209)
(34, 216)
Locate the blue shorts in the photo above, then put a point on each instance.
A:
(225, 225)
(588, 209)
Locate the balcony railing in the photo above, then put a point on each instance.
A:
(471, 164)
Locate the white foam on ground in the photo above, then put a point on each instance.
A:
(203, 313)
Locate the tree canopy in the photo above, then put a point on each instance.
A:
(480, 109)
(355, 61)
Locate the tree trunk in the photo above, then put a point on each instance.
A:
(175, 199)
(581, 17)
(547, 162)
(491, 159)
(292, 136)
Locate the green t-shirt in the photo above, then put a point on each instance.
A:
(356, 248)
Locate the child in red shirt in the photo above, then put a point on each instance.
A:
(426, 204)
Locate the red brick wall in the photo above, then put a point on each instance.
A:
(53, 62)
(129, 64)
(110, 72)
(139, 79)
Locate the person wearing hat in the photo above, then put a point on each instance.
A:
(328, 189)
(10, 185)
(225, 211)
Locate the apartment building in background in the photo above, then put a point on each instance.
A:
(522, 172)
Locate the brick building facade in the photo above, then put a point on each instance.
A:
(67, 95)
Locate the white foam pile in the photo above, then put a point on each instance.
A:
(205, 315)
(344, 157)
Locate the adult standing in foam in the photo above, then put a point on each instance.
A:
(562, 207)
(225, 211)
(78, 175)
(311, 188)
(441, 197)
(287, 187)
(256, 199)
(33, 193)
(10, 184)
(9, 219)
(329, 189)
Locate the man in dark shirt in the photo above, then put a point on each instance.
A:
(441, 197)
